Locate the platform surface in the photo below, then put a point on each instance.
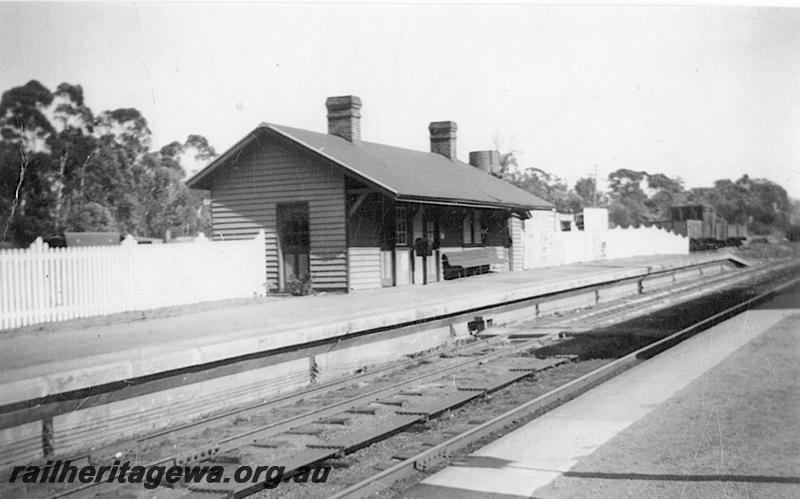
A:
(715, 416)
(57, 359)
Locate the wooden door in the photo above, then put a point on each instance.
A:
(294, 242)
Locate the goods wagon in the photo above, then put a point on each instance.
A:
(704, 227)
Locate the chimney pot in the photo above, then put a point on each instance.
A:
(344, 117)
(443, 138)
(488, 161)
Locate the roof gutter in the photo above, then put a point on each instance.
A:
(469, 204)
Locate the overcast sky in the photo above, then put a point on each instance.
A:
(700, 93)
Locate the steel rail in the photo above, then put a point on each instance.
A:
(206, 452)
(233, 442)
(236, 441)
(252, 488)
(52, 405)
(424, 460)
(303, 393)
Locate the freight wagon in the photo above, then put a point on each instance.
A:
(704, 227)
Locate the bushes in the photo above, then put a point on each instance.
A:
(298, 287)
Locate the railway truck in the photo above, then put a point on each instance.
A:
(705, 228)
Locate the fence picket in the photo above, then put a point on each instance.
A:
(43, 284)
(5, 293)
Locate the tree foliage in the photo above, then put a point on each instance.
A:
(586, 188)
(63, 168)
(760, 203)
(541, 183)
(637, 197)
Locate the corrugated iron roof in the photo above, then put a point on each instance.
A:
(403, 173)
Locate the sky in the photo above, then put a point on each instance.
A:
(700, 93)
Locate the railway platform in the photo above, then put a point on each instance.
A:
(57, 359)
(715, 416)
(68, 384)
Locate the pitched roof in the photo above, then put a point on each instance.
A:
(405, 174)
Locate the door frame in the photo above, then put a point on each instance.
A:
(291, 207)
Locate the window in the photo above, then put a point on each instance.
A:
(430, 229)
(566, 226)
(473, 228)
(579, 221)
(400, 226)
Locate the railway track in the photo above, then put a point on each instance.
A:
(350, 415)
(428, 459)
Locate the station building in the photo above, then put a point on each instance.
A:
(346, 214)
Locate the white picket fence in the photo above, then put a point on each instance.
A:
(43, 284)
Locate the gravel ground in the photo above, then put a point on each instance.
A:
(734, 432)
(594, 350)
(378, 456)
(759, 251)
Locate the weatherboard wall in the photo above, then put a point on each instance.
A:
(517, 256)
(365, 228)
(244, 198)
(364, 268)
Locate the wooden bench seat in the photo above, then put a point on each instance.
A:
(471, 261)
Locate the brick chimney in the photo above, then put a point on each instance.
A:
(443, 138)
(344, 117)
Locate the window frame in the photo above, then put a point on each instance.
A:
(472, 224)
(401, 226)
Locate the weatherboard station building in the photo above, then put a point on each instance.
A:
(347, 214)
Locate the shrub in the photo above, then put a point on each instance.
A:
(298, 287)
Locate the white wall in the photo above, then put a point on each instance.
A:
(595, 219)
(364, 267)
(546, 245)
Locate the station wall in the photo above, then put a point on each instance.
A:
(244, 199)
(546, 245)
